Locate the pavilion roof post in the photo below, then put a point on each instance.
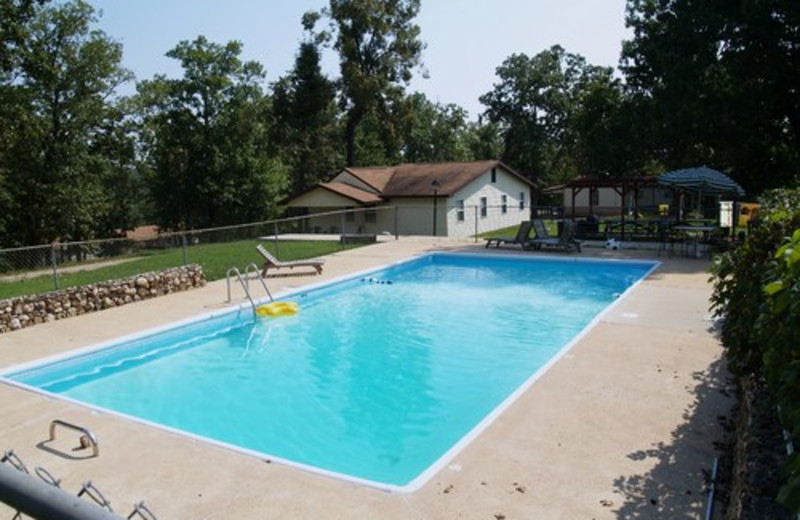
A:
(622, 212)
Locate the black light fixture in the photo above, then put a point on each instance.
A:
(435, 185)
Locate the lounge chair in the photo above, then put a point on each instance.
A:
(566, 239)
(521, 238)
(270, 262)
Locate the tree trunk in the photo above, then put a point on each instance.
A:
(354, 117)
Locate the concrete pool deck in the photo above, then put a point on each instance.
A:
(623, 426)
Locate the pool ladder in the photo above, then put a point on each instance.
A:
(244, 280)
(86, 439)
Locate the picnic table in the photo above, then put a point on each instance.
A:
(632, 229)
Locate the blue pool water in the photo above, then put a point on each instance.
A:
(376, 377)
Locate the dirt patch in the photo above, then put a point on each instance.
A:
(750, 471)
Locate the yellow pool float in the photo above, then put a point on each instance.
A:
(274, 309)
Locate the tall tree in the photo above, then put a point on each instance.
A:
(14, 26)
(378, 46)
(534, 102)
(433, 132)
(716, 83)
(207, 140)
(58, 97)
(484, 140)
(14, 18)
(304, 131)
(605, 137)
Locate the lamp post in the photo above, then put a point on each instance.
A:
(435, 185)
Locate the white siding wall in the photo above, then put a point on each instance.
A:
(507, 185)
(356, 222)
(415, 215)
(609, 200)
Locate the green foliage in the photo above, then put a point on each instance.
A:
(304, 129)
(432, 132)
(757, 292)
(484, 140)
(207, 140)
(779, 330)
(715, 82)
(55, 111)
(536, 103)
(378, 46)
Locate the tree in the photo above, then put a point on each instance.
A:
(715, 82)
(206, 140)
(604, 133)
(432, 132)
(378, 46)
(484, 140)
(55, 109)
(14, 18)
(534, 103)
(304, 129)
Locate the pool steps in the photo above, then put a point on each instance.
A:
(244, 280)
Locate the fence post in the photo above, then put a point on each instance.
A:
(54, 261)
(396, 223)
(475, 209)
(183, 246)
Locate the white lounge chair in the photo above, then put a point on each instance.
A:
(270, 262)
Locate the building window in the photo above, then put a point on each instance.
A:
(460, 210)
(522, 200)
(370, 216)
(484, 206)
(494, 175)
(504, 204)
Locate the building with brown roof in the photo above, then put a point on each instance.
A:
(445, 199)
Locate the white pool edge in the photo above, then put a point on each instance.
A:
(419, 481)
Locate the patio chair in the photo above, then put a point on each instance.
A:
(270, 262)
(668, 238)
(540, 229)
(566, 240)
(522, 236)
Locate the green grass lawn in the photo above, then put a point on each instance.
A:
(511, 231)
(215, 259)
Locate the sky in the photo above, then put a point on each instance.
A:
(466, 40)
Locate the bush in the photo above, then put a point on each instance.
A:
(757, 292)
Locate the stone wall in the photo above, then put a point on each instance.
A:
(25, 311)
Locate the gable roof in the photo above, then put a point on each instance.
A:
(376, 177)
(351, 192)
(415, 180)
(411, 180)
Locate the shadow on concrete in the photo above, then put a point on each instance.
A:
(688, 457)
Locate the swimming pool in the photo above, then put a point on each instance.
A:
(380, 378)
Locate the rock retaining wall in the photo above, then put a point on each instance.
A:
(25, 311)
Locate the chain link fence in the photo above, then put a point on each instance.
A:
(58, 265)
(26, 270)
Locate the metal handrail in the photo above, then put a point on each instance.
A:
(243, 279)
(257, 272)
(235, 271)
(87, 434)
